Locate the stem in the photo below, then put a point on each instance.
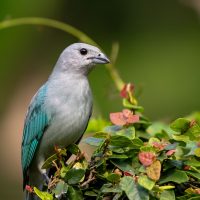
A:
(115, 76)
(114, 52)
(68, 29)
(47, 22)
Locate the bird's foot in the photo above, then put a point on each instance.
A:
(46, 178)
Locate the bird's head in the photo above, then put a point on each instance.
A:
(80, 57)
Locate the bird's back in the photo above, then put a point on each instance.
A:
(35, 123)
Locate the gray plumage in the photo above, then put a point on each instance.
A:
(59, 112)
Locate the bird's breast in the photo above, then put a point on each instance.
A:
(70, 109)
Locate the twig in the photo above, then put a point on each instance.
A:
(68, 29)
(53, 183)
(56, 166)
(90, 179)
(114, 52)
(47, 22)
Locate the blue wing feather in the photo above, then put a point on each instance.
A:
(35, 124)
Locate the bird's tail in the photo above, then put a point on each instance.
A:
(35, 179)
(31, 196)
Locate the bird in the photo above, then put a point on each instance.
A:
(59, 112)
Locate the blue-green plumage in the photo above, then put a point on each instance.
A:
(35, 124)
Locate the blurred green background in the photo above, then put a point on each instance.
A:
(159, 53)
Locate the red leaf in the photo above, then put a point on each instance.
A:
(123, 92)
(130, 118)
(170, 152)
(118, 171)
(146, 158)
(186, 167)
(133, 119)
(159, 145)
(127, 88)
(153, 171)
(192, 123)
(127, 174)
(117, 118)
(127, 113)
(124, 118)
(197, 190)
(198, 144)
(29, 188)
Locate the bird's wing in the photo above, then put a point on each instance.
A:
(35, 124)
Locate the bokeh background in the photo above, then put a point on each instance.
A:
(159, 53)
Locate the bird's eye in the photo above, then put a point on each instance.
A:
(83, 51)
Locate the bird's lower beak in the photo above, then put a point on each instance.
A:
(100, 59)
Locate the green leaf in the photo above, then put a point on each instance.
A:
(124, 166)
(132, 190)
(183, 138)
(117, 196)
(148, 149)
(74, 193)
(180, 152)
(194, 174)
(189, 197)
(101, 166)
(128, 132)
(172, 163)
(167, 195)
(49, 161)
(191, 146)
(119, 150)
(193, 162)
(143, 123)
(63, 171)
(118, 156)
(127, 104)
(112, 129)
(176, 176)
(180, 125)
(61, 188)
(165, 187)
(171, 146)
(43, 195)
(96, 125)
(74, 176)
(158, 127)
(93, 141)
(194, 116)
(197, 152)
(153, 140)
(73, 149)
(120, 141)
(137, 143)
(113, 189)
(194, 130)
(90, 193)
(113, 178)
(145, 182)
(164, 135)
(101, 135)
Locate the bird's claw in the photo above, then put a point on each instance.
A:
(46, 178)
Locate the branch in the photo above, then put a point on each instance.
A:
(68, 29)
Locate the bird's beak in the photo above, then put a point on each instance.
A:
(100, 59)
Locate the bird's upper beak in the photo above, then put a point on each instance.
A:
(100, 59)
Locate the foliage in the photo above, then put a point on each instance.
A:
(134, 159)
